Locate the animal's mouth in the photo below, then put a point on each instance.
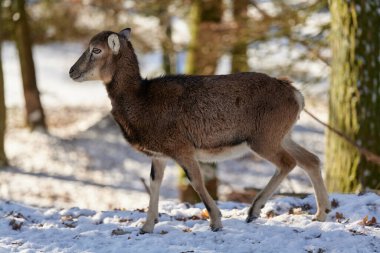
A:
(76, 77)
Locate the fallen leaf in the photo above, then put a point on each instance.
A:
(355, 232)
(194, 217)
(339, 217)
(16, 225)
(69, 224)
(366, 222)
(67, 218)
(270, 214)
(163, 232)
(119, 231)
(181, 219)
(18, 243)
(334, 203)
(125, 220)
(204, 214)
(296, 211)
(19, 215)
(316, 236)
(306, 207)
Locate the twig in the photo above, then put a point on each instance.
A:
(290, 194)
(145, 185)
(370, 156)
(259, 9)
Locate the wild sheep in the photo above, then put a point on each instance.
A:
(200, 118)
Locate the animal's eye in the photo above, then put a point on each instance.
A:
(96, 50)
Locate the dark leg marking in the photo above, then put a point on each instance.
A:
(187, 174)
(207, 207)
(250, 216)
(249, 219)
(152, 172)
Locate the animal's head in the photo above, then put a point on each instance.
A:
(98, 61)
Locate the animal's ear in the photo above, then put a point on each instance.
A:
(126, 33)
(114, 43)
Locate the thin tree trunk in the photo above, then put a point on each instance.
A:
(3, 157)
(168, 57)
(35, 117)
(205, 46)
(202, 57)
(194, 16)
(240, 46)
(354, 95)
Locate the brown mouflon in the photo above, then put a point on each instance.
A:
(200, 118)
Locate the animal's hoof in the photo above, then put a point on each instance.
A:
(215, 228)
(319, 217)
(249, 219)
(142, 231)
(316, 218)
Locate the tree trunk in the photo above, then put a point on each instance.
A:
(168, 54)
(240, 46)
(202, 58)
(205, 48)
(354, 95)
(3, 157)
(35, 117)
(190, 67)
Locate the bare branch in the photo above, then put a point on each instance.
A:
(370, 156)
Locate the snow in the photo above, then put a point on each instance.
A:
(54, 83)
(89, 156)
(79, 184)
(92, 158)
(183, 228)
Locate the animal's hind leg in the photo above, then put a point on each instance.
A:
(284, 164)
(312, 166)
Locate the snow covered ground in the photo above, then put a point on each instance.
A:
(85, 163)
(88, 164)
(284, 226)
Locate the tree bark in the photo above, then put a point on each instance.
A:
(35, 117)
(354, 102)
(205, 47)
(240, 46)
(168, 54)
(3, 157)
(202, 57)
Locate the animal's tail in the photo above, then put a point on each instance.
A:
(297, 94)
(304, 158)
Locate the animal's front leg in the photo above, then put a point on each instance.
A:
(156, 175)
(193, 173)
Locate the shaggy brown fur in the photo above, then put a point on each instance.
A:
(192, 118)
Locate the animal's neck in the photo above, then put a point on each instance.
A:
(126, 81)
(123, 91)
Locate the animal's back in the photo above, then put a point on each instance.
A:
(224, 109)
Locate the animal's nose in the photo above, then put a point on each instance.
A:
(71, 70)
